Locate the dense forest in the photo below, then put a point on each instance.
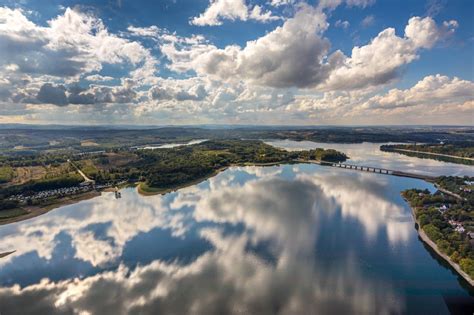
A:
(448, 220)
(165, 168)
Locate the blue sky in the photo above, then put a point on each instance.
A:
(237, 62)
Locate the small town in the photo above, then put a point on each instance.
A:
(46, 195)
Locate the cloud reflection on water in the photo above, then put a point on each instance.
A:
(285, 214)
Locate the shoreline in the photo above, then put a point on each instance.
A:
(164, 191)
(434, 247)
(196, 181)
(35, 211)
(435, 154)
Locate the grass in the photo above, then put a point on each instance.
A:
(11, 213)
(6, 174)
(145, 189)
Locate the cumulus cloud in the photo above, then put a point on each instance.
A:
(179, 90)
(70, 45)
(439, 98)
(52, 94)
(369, 65)
(219, 10)
(59, 94)
(433, 90)
(297, 55)
(290, 73)
(291, 55)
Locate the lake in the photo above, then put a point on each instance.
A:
(369, 154)
(290, 239)
(169, 145)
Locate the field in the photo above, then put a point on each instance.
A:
(16, 141)
(6, 174)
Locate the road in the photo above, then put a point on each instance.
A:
(435, 154)
(87, 179)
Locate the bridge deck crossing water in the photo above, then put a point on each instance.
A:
(377, 170)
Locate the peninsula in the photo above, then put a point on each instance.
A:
(66, 178)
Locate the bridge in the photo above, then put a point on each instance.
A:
(372, 169)
(378, 170)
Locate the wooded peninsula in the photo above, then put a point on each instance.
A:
(48, 178)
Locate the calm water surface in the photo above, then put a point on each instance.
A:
(369, 154)
(291, 239)
(170, 145)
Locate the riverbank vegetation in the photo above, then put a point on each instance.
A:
(461, 152)
(156, 170)
(173, 167)
(448, 219)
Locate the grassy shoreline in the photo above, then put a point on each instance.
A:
(34, 211)
(435, 248)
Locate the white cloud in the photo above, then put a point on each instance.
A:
(98, 78)
(431, 91)
(72, 44)
(278, 3)
(150, 31)
(219, 10)
(287, 74)
(342, 24)
(296, 55)
(332, 4)
(290, 55)
(435, 99)
(369, 20)
(379, 61)
(424, 33)
(40, 62)
(178, 90)
(360, 3)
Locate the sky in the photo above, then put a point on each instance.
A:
(252, 62)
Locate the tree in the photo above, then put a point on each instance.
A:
(455, 257)
(467, 265)
(444, 246)
(424, 219)
(433, 232)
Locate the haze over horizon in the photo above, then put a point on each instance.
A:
(237, 62)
